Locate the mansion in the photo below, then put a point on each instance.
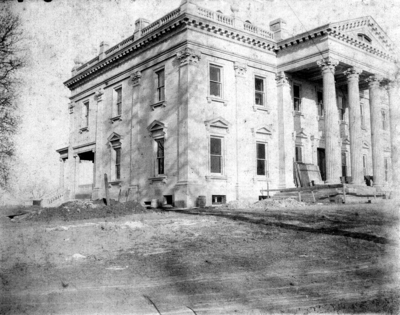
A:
(202, 103)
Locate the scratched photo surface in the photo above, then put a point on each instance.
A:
(199, 157)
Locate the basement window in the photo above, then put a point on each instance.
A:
(218, 199)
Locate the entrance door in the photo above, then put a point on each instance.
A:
(321, 163)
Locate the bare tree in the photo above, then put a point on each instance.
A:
(11, 60)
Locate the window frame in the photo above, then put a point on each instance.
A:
(222, 155)
(299, 98)
(365, 164)
(262, 92)
(221, 82)
(300, 147)
(116, 158)
(341, 108)
(160, 158)
(266, 169)
(118, 102)
(386, 168)
(85, 114)
(160, 86)
(117, 165)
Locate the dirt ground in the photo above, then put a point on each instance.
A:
(321, 259)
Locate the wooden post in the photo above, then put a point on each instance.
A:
(313, 197)
(344, 193)
(119, 195)
(106, 187)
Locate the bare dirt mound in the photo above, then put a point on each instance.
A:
(264, 204)
(82, 210)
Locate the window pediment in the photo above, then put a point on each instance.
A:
(157, 129)
(218, 123)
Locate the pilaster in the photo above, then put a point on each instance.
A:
(188, 64)
(376, 135)
(286, 129)
(332, 130)
(98, 169)
(394, 119)
(355, 126)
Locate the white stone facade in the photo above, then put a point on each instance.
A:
(199, 103)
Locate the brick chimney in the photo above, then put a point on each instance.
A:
(278, 27)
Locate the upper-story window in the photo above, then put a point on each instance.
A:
(215, 81)
(118, 101)
(85, 114)
(364, 38)
(320, 102)
(298, 153)
(259, 87)
(160, 85)
(160, 156)
(216, 156)
(296, 97)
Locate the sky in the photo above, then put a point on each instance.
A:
(57, 32)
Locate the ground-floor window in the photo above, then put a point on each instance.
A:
(299, 154)
(261, 158)
(117, 163)
(218, 199)
(216, 156)
(160, 156)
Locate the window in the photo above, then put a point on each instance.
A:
(386, 165)
(320, 101)
(218, 199)
(85, 114)
(365, 164)
(384, 120)
(215, 81)
(160, 156)
(160, 85)
(118, 101)
(297, 97)
(261, 159)
(259, 87)
(341, 109)
(344, 164)
(362, 115)
(299, 154)
(117, 163)
(216, 155)
(364, 38)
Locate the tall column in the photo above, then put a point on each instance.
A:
(187, 154)
(286, 129)
(134, 127)
(376, 134)
(98, 152)
(357, 175)
(332, 131)
(394, 119)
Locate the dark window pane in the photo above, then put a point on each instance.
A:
(160, 147)
(259, 84)
(296, 91)
(161, 96)
(160, 165)
(119, 95)
(260, 167)
(216, 166)
(215, 89)
(215, 74)
(298, 154)
(160, 75)
(261, 151)
(259, 98)
(215, 145)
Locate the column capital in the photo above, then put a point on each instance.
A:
(352, 73)
(135, 78)
(327, 64)
(188, 56)
(71, 106)
(240, 69)
(281, 78)
(374, 80)
(98, 95)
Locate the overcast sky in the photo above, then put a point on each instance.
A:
(59, 31)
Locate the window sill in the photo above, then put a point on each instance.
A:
(297, 113)
(116, 118)
(216, 177)
(84, 129)
(261, 107)
(216, 99)
(158, 104)
(158, 178)
(115, 183)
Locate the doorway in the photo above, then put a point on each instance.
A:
(321, 162)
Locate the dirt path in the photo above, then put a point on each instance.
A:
(317, 260)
